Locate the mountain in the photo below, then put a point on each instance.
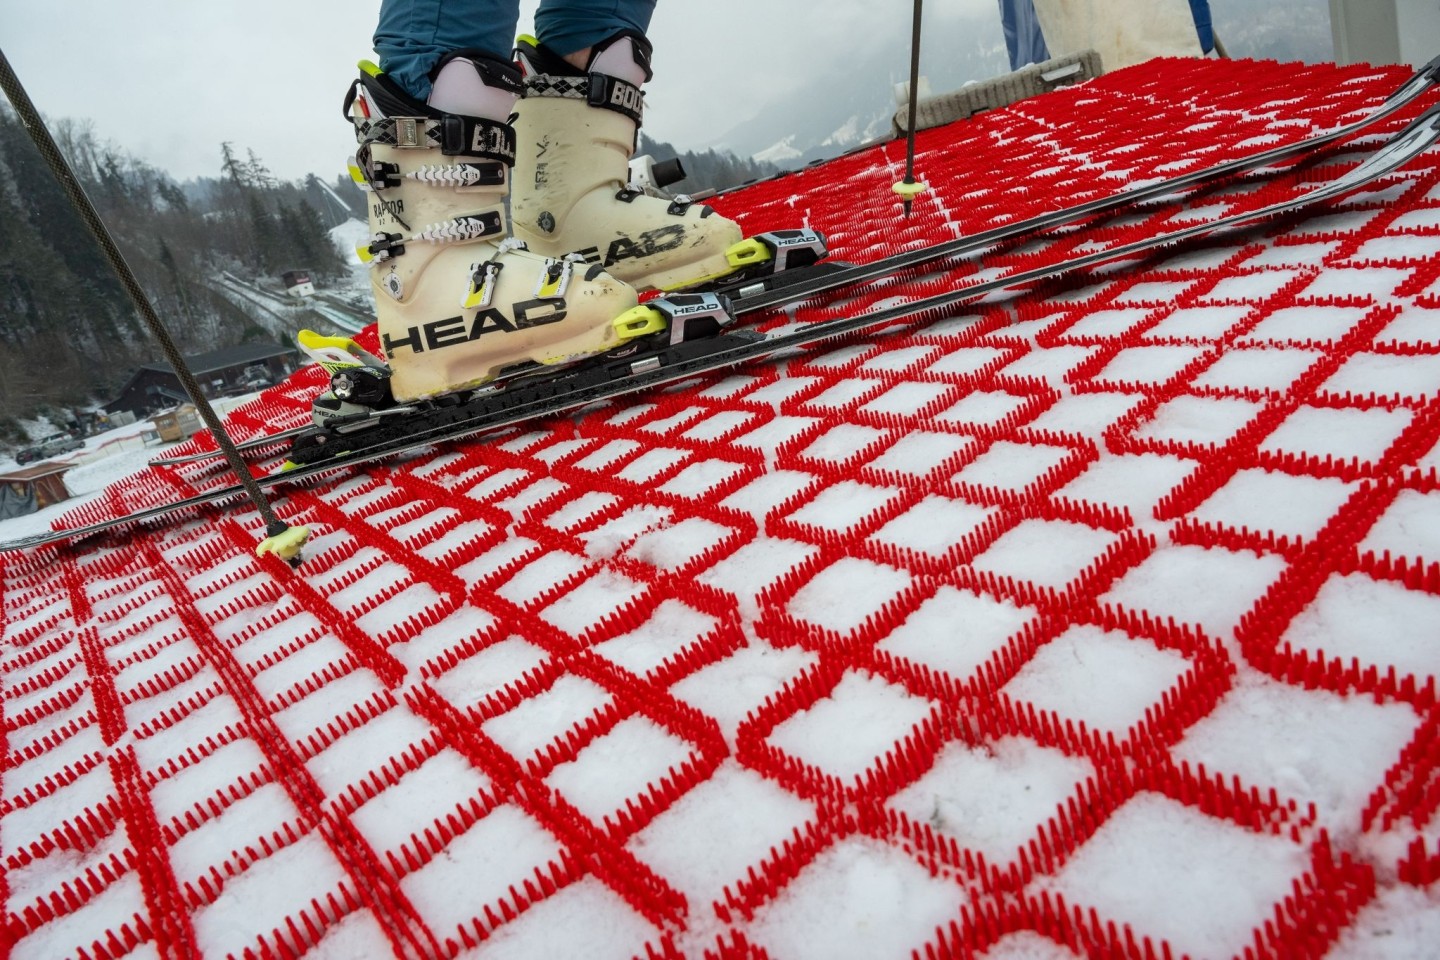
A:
(1284, 30)
(851, 101)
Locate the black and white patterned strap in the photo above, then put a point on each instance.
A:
(597, 89)
(456, 136)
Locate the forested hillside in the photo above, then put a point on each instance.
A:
(70, 332)
(708, 169)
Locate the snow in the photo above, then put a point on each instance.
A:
(858, 722)
(1154, 861)
(844, 506)
(540, 720)
(480, 868)
(1149, 364)
(845, 595)
(742, 817)
(1306, 324)
(1257, 369)
(672, 631)
(1397, 628)
(1100, 619)
(934, 526)
(617, 767)
(118, 907)
(856, 899)
(1315, 746)
(1400, 923)
(778, 152)
(555, 927)
(1341, 433)
(1013, 466)
(1289, 506)
(1380, 376)
(732, 687)
(1048, 553)
(496, 668)
(922, 453)
(1103, 679)
(1135, 483)
(1163, 585)
(1198, 420)
(993, 799)
(1409, 527)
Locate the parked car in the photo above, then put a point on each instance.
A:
(51, 446)
(256, 377)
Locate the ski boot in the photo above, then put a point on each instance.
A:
(576, 131)
(458, 305)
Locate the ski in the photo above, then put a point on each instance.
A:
(590, 384)
(811, 276)
(244, 446)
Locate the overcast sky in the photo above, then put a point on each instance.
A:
(169, 80)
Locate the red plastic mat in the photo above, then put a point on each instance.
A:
(1094, 621)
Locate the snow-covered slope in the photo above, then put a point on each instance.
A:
(1098, 621)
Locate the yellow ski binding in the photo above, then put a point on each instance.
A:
(334, 354)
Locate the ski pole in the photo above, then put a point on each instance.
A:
(909, 189)
(281, 539)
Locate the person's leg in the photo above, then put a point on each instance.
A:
(412, 35)
(1023, 38)
(435, 148)
(571, 27)
(576, 128)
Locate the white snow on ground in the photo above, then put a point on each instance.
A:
(105, 458)
(1193, 897)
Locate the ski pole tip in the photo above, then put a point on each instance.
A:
(907, 190)
(286, 543)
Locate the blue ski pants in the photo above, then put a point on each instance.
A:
(412, 34)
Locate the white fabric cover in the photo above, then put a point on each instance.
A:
(1123, 32)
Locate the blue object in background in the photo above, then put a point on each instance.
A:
(1200, 10)
(1022, 33)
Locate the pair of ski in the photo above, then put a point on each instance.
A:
(586, 385)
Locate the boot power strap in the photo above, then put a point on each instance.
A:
(596, 89)
(456, 136)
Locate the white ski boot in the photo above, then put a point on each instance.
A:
(576, 131)
(458, 304)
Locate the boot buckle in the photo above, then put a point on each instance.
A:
(374, 174)
(382, 247)
(407, 132)
(554, 279)
(481, 291)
